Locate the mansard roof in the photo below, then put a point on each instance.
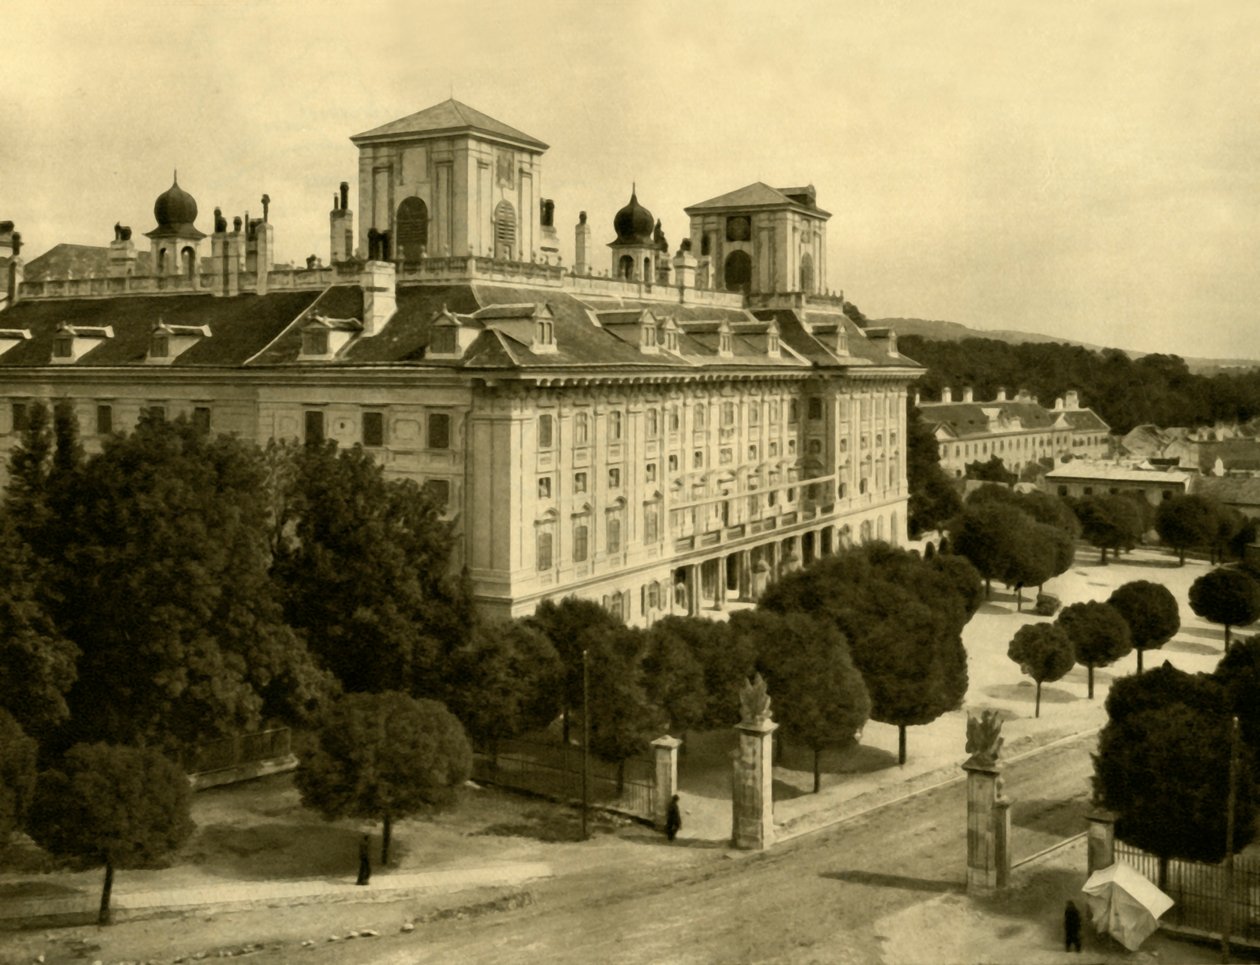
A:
(266, 330)
(448, 117)
(241, 325)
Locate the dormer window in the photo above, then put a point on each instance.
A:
(160, 345)
(72, 342)
(167, 342)
(444, 341)
(315, 342)
(10, 337)
(323, 338)
(544, 332)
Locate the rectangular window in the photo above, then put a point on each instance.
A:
(155, 412)
(19, 416)
(63, 348)
(614, 426)
(614, 478)
(651, 523)
(649, 472)
(104, 420)
(728, 414)
(815, 408)
(650, 418)
(201, 418)
(752, 453)
(581, 542)
(544, 487)
(440, 491)
(439, 430)
(544, 550)
(373, 429)
(673, 462)
(697, 459)
(544, 432)
(314, 426)
(579, 482)
(614, 534)
(726, 456)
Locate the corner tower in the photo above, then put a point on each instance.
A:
(449, 181)
(761, 239)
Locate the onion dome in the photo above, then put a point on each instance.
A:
(634, 223)
(174, 207)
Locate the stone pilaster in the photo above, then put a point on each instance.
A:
(665, 750)
(752, 790)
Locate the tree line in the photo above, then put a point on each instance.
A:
(1125, 392)
(179, 587)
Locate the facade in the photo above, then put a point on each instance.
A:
(1019, 431)
(653, 438)
(1078, 478)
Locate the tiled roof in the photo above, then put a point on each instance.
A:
(78, 261)
(448, 117)
(267, 330)
(240, 326)
(1077, 469)
(1084, 420)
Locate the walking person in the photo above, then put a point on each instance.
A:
(673, 819)
(365, 861)
(1071, 927)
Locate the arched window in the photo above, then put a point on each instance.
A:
(807, 273)
(161, 261)
(504, 231)
(625, 268)
(188, 259)
(412, 229)
(738, 274)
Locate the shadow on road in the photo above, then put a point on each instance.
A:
(879, 880)
(1185, 646)
(1027, 693)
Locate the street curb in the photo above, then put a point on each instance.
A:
(789, 835)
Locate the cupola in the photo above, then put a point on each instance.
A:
(634, 223)
(175, 207)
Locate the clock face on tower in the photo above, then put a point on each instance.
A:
(738, 228)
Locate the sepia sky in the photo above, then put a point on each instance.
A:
(1084, 169)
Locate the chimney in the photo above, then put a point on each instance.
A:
(122, 257)
(916, 398)
(968, 396)
(341, 227)
(1022, 395)
(1058, 404)
(379, 297)
(225, 257)
(16, 272)
(1001, 396)
(685, 265)
(582, 246)
(1072, 400)
(947, 394)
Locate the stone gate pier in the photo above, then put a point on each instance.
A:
(752, 773)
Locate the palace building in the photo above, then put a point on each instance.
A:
(662, 432)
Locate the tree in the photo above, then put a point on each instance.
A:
(17, 776)
(958, 572)
(820, 699)
(933, 498)
(726, 662)
(382, 756)
(1043, 652)
(1238, 675)
(37, 663)
(994, 470)
(573, 625)
(1109, 522)
(364, 565)
(1098, 633)
(123, 807)
(1165, 772)
(1033, 557)
(504, 682)
(1185, 522)
(993, 536)
(903, 619)
(623, 718)
(161, 578)
(674, 678)
(1163, 687)
(1226, 596)
(1151, 612)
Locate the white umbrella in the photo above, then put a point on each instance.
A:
(1125, 904)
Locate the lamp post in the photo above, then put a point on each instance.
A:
(586, 740)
